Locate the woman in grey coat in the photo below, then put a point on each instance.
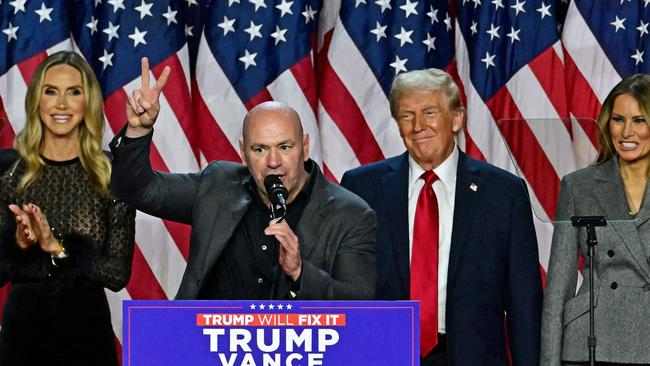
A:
(614, 186)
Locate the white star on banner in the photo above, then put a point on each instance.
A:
(359, 2)
(249, 59)
(544, 10)
(138, 37)
(230, 2)
(477, 3)
(474, 27)
(252, 306)
(144, 9)
(618, 24)
(433, 14)
(642, 28)
(638, 57)
(514, 35)
(385, 4)
(11, 32)
(399, 65)
(497, 4)
(262, 306)
(488, 60)
(92, 25)
(106, 59)
(170, 15)
(111, 31)
(254, 30)
(284, 7)
(44, 13)
(404, 37)
(493, 32)
(281, 306)
(279, 35)
(191, 2)
(429, 42)
(228, 25)
(258, 4)
(117, 4)
(309, 14)
(19, 5)
(379, 31)
(409, 8)
(189, 30)
(447, 21)
(519, 7)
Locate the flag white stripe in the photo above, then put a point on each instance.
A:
(160, 251)
(543, 120)
(169, 138)
(361, 83)
(585, 51)
(287, 90)
(339, 156)
(221, 99)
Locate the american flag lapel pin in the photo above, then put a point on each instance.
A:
(473, 187)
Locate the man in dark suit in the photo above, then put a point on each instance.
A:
(325, 243)
(463, 243)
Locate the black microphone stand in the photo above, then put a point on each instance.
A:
(590, 223)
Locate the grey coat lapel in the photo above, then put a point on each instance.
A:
(610, 194)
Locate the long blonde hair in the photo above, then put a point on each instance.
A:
(29, 141)
(638, 86)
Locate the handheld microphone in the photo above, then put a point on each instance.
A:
(277, 193)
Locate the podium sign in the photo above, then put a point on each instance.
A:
(270, 333)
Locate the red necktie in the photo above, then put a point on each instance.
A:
(424, 263)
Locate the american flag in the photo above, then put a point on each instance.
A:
(528, 77)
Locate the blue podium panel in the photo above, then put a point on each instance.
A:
(271, 333)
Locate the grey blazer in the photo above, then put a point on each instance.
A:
(621, 280)
(336, 231)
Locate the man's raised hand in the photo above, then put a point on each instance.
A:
(144, 104)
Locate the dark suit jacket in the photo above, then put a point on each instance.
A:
(493, 261)
(336, 231)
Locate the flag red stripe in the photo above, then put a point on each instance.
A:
(583, 101)
(303, 72)
(345, 113)
(29, 66)
(213, 142)
(328, 173)
(262, 96)
(548, 67)
(143, 284)
(527, 152)
(6, 131)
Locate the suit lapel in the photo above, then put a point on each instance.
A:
(610, 194)
(394, 190)
(229, 210)
(468, 188)
(310, 224)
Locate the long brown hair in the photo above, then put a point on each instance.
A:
(29, 141)
(638, 86)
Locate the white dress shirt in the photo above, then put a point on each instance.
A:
(445, 189)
